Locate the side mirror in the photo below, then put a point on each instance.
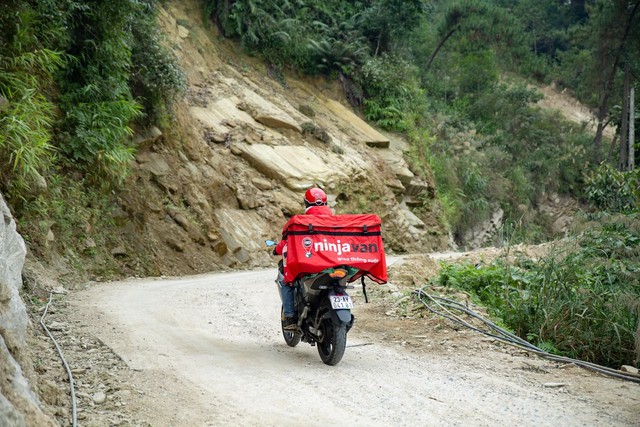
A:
(270, 243)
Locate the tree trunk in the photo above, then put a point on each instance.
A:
(442, 42)
(603, 108)
(624, 119)
(597, 141)
(632, 130)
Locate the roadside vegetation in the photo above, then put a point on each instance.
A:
(76, 79)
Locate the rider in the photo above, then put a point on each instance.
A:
(315, 203)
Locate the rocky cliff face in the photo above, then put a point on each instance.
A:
(18, 404)
(241, 151)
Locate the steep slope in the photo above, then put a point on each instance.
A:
(240, 152)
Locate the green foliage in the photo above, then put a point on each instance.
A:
(81, 220)
(89, 60)
(392, 92)
(614, 191)
(26, 116)
(97, 99)
(99, 132)
(117, 54)
(582, 302)
(355, 40)
(156, 77)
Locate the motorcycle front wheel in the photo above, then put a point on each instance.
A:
(291, 338)
(334, 342)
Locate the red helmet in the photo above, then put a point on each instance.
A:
(315, 197)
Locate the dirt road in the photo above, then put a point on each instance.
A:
(207, 351)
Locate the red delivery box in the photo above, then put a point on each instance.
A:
(315, 243)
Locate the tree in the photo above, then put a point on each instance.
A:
(610, 48)
(482, 24)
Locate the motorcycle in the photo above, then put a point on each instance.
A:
(324, 310)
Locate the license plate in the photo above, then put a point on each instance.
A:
(341, 301)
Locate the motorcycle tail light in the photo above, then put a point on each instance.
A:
(338, 274)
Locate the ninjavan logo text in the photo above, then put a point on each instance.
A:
(342, 248)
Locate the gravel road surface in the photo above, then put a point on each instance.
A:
(207, 350)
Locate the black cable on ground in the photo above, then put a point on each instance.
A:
(505, 336)
(64, 362)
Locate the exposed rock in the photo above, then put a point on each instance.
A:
(39, 183)
(417, 187)
(252, 137)
(318, 132)
(266, 112)
(396, 186)
(220, 113)
(367, 134)
(183, 33)
(307, 110)
(242, 256)
(482, 233)
(153, 162)
(630, 369)
(211, 135)
(148, 137)
(288, 205)
(248, 198)
(99, 398)
(403, 174)
(262, 184)
(238, 229)
(219, 247)
(89, 244)
(19, 406)
(295, 166)
(182, 221)
(232, 123)
(119, 251)
(175, 244)
(275, 121)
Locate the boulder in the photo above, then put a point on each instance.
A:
(262, 184)
(19, 406)
(13, 314)
(266, 112)
(220, 114)
(153, 163)
(297, 167)
(242, 232)
(367, 134)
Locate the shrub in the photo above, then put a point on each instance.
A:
(100, 130)
(612, 190)
(392, 91)
(156, 76)
(26, 71)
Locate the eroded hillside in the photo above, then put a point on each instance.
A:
(240, 152)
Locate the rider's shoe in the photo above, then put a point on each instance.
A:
(290, 324)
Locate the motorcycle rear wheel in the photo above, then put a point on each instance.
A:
(332, 347)
(291, 338)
